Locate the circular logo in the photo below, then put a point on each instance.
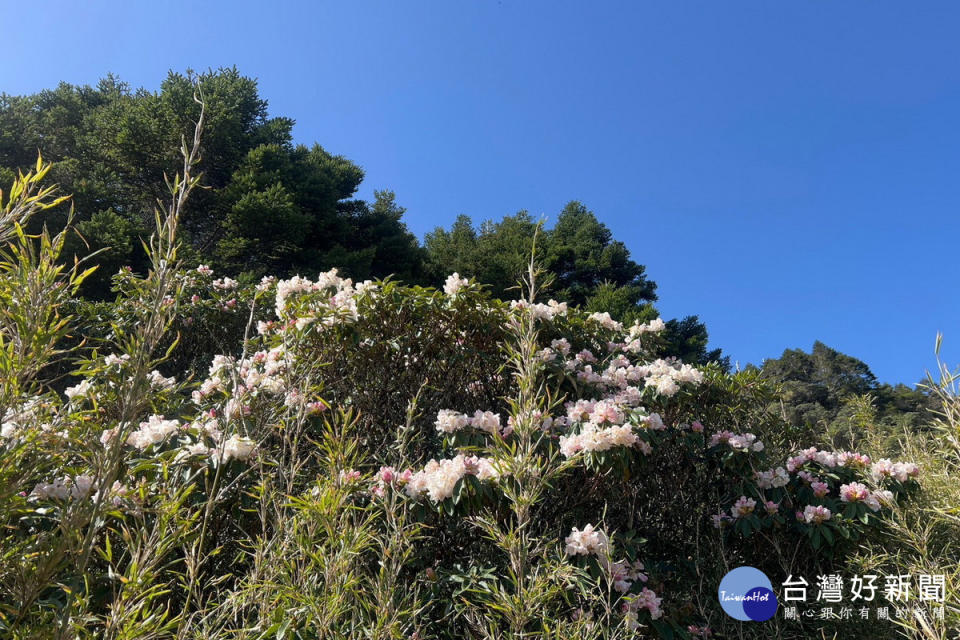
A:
(747, 594)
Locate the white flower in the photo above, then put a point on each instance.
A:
(449, 421)
(266, 282)
(238, 448)
(586, 542)
(114, 359)
(155, 430)
(80, 390)
(159, 382)
(605, 321)
(454, 283)
(225, 284)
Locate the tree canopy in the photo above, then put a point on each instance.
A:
(588, 266)
(827, 389)
(270, 206)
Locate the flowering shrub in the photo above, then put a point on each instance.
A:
(379, 460)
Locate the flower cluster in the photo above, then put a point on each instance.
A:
(454, 283)
(594, 438)
(901, 471)
(604, 320)
(449, 421)
(438, 479)
(737, 442)
(66, 487)
(646, 599)
(743, 507)
(541, 311)
(338, 304)
(155, 430)
(815, 514)
(772, 478)
(858, 492)
(590, 541)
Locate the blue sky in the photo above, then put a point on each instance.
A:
(788, 171)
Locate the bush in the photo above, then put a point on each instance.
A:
(382, 461)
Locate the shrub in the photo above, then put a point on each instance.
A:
(382, 461)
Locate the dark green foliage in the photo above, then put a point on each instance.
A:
(589, 269)
(269, 207)
(828, 389)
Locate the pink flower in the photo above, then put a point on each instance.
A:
(816, 515)
(388, 474)
(854, 492)
(820, 489)
(314, 408)
(348, 476)
(696, 427)
(743, 507)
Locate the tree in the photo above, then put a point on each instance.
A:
(828, 390)
(269, 206)
(589, 268)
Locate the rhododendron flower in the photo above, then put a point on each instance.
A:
(771, 507)
(852, 459)
(820, 489)
(606, 412)
(772, 478)
(348, 476)
(604, 320)
(82, 486)
(655, 422)
(204, 270)
(561, 345)
(594, 438)
(816, 514)
(646, 599)
(238, 448)
(80, 390)
(62, 488)
(155, 430)
(316, 407)
(878, 498)
(485, 421)
(449, 421)
(744, 506)
(854, 492)
(623, 574)
(234, 408)
(654, 326)
(159, 382)
(454, 283)
(113, 359)
(589, 541)
(59, 489)
(225, 284)
(438, 479)
(387, 474)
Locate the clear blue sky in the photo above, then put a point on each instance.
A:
(786, 170)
